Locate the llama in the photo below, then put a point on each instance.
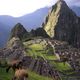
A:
(20, 74)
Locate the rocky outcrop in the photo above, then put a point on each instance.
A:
(13, 49)
(19, 31)
(39, 32)
(14, 43)
(10, 54)
(62, 23)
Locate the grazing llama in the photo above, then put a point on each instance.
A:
(20, 74)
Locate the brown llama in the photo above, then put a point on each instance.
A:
(20, 74)
(14, 64)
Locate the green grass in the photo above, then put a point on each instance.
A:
(50, 57)
(32, 75)
(38, 50)
(61, 66)
(36, 46)
(4, 75)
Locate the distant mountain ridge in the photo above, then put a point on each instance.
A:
(4, 34)
(29, 21)
(76, 10)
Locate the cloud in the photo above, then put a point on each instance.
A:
(18, 8)
(21, 7)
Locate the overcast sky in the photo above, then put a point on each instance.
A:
(17, 8)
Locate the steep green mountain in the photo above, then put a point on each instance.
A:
(19, 31)
(62, 23)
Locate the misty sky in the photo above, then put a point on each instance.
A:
(17, 8)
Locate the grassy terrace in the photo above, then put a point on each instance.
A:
(38, 50)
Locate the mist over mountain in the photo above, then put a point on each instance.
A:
(4, 34)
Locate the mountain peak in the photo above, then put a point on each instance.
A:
(61, 2)
(60, 6)
(18, 25)
(61, 22)
(18, 31)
